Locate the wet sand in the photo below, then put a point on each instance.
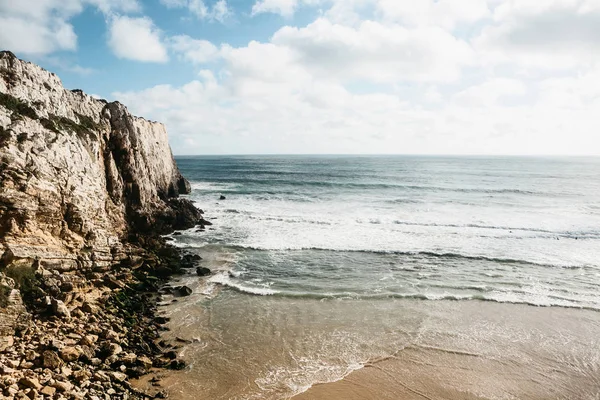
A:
(253, 347)
(556, 355)
(418, 374)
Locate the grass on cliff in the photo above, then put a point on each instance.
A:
(4, 293)
(18, 107)
(84, 128)
(27, 282)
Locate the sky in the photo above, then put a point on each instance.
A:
(514, 77)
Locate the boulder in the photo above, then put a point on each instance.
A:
(222, 197)
(51, 360)
(203, 271)
(62, 386)
(30, 382)
(60, 309)
(48, 391)
(69, 354)
(182, 291)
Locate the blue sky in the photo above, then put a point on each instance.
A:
(332, 76)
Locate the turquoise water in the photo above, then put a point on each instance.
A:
(514, 230)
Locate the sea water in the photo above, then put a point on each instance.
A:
(324, 263)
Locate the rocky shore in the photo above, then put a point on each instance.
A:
(86, 190)
(91, 351)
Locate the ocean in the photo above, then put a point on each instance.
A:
(326, 264)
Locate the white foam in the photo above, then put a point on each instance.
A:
(224, 279)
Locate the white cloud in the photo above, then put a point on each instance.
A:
(443, 13)
(136, 39)
(195, 51)
(41, 27)
(38, 27)
(376, 52)
(374, 76)
(557, 34)
(491, 92)
(285, 8)
(110, 6)
(219, 11)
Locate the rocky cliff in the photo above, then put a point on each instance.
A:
(85, 190)
(78, 175)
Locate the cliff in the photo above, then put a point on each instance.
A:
(85, 190)
(79, 175)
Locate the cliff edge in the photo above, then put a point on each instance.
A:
(79, 175)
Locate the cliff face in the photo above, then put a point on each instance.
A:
(78, 174)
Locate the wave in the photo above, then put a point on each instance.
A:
(542, 302)
(563, 234)
(236, 184)
(430, 254)
(224, 280)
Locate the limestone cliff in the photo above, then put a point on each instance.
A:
(79, 175)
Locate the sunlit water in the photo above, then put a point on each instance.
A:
(324, 264)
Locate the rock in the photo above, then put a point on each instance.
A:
(60, 309)
(101, 376)
(69, 354)
(89, 308)
(89, 340)
(51, 359)
(222, 197)
(177, 365)
(117, 376)
(111, 335)
(145, 362)
(6, 342)
(182, 291)
(113, 349)
(202, 271)
(48, 391)
(30, 382)
(62, 386)
(82, 375)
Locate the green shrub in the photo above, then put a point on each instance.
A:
(18, 107)
(87, 122)
(25, 279)
(4, 293)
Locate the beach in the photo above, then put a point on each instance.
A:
(390, 277)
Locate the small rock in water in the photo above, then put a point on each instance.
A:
(202, 271)
(182, 291)
(177, 233)
(222, 198)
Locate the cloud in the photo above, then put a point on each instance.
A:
(443, 13)
(193, 50)
(376, 52)
(136, 39)
(285, 8)
(491, 92)
(219, 11)
(38, 27)
(112, 6)
(558, 34)
(394, 83)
